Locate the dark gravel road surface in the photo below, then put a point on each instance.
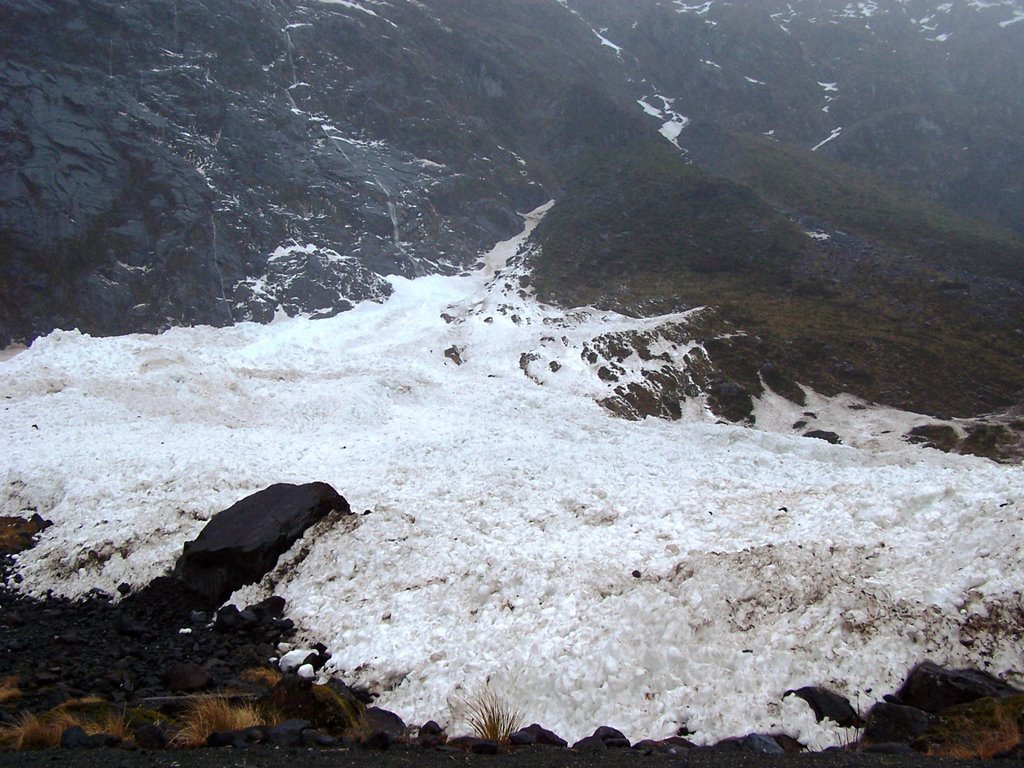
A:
(260, 757)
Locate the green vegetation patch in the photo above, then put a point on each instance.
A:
(878, 311)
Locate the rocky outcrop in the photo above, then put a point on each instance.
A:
(242, 543)
(889, 723)
(158, 158)
(932, 688)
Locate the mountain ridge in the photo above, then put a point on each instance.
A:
(170, 165)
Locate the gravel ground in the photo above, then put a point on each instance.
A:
(538, 757)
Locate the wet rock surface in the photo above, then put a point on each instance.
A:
(242, 543)
(187, 163)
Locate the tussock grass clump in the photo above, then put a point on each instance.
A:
(9, 690)
(32, 731)
(262, 676)
(492, 717)
(210, 714)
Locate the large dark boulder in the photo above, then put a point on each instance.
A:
(896, 724)
(932, 688)
(242, 543)
(377, 719)
(828, 704)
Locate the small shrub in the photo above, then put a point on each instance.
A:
(209, 714)
(492, 717)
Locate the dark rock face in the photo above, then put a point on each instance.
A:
(131, 197)
(828, 704)
(890, 76)
(932, 688)
(242, 543)
(157, 160)
(193, 163)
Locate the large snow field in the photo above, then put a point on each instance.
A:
(644, 575)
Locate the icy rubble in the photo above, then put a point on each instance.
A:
(648, 575)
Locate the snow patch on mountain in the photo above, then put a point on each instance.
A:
(606, 42)
(836, 133)
(673, 124)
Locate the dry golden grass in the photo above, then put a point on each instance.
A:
(29, 732)
(492, 717)
(209, 714)
(9, 690)
(43, 731)
(967, 739)
(262, 675)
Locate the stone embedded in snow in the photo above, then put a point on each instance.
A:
(293, 660)
(931, 688)
(821, 434)
(827, 704)
(242, 543)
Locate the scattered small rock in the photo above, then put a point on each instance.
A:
(821, 434)
(756, 743)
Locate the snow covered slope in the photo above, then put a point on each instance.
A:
(648, 575)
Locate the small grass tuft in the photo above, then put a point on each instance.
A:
(9, 690)
(210, 714)
(492, 717)
(262, 676)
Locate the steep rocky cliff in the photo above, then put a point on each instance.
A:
(841, 180)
